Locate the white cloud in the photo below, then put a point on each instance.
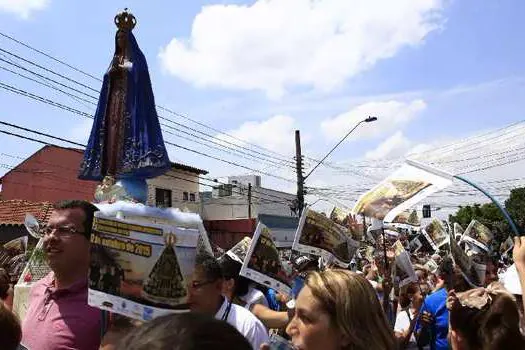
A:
(272, 45)
(391, 115)
(23, 8)
(394, 146)
(276, 134)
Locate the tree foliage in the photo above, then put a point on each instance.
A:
(489, 215)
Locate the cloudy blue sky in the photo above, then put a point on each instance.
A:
(430, 70)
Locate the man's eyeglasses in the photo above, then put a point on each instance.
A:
(199, 284)
(60, 232)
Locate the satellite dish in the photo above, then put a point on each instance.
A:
(32, 226)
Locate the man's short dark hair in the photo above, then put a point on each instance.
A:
(188, 331)
(210, 266)
(231, 270)
(446, 269)
(88, 208)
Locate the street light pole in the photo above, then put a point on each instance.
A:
(367, 120)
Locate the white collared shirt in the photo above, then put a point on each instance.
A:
(245, 322)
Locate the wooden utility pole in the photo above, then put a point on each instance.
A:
(299, 168)
(249, 200)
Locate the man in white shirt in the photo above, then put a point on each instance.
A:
(205, 296)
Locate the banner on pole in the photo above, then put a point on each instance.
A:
(320, 236)
(399, 192)
(262, 263)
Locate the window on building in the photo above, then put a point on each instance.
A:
(192, 197)
(162, 198)
(185, 196)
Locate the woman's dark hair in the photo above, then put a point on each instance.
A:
(10, 330)
(230, 270)
(494, 327)
(4, 284)
(189, 331)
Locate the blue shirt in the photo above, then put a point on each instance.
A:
(435, 304)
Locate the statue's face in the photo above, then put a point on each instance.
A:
(121, 39)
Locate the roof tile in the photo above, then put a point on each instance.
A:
(13, 212)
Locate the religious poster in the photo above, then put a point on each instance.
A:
(471, 266)
(458, 231)
(431, 265)
(409, 218)
(404, 268)
(506, 246)
(478, 234)
(318, 235)
(400, 191)
(140, 269)
(262, 263)
(346, 219)
(436, 234)
(238, 252)
(415, 245)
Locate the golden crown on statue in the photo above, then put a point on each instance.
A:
(125, 20)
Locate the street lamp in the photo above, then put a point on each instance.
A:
(367, 120)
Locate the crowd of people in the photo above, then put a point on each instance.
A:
(328, 308)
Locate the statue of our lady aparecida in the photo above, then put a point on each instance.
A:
(125, 145)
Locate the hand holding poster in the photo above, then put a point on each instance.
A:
(478, 234)
(262, 263)
(405, 270)
(346, 219)
(318, 235)
(139, 269)
(398, 192)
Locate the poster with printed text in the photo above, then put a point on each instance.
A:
(478, 234)
(140, 270)
(399, 192)
(262, 263)
(405, 270)
(239, 251)
(320, 236)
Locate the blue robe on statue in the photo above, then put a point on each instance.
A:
(141, 152)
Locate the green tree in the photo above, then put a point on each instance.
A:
(515, 205)
(489, 215)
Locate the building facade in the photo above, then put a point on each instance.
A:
(51, 175)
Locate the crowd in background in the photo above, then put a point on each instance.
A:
(329, 308)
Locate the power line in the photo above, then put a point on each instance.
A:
(240, 153)
(78, 144)
(160, 107)
(49, 56)
(56, 104)
(43, 100)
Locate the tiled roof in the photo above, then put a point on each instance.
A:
(13, 212)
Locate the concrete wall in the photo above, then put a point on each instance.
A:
(178, 182)
(264, 201)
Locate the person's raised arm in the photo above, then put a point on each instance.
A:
(270, 318)
(518, 255)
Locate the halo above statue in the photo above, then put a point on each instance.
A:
(125, 20)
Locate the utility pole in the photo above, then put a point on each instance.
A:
(299, 168)
(249, 200)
